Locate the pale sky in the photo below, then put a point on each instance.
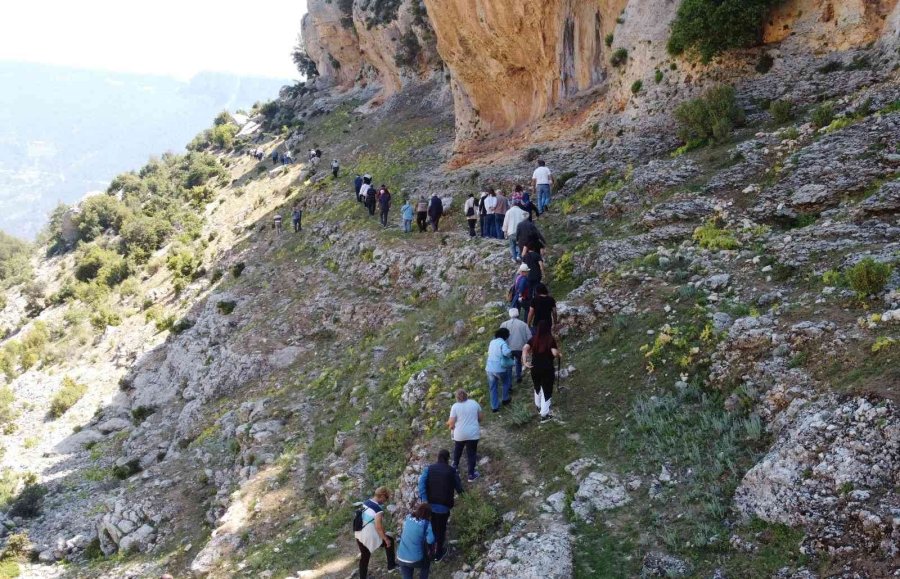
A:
(171, 37)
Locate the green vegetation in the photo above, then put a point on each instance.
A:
(408, 49)
(29, 503)
(709, 27)
(709, 236)
(476, 519)
(869, 277)
(782, 111)
(95, 262)
(710, 118)
(658, 76)
(394, 162)
(69, 393)
(15, 266)
(636, 86)
(608, 40)
(619, 57)
(226, 307)
(822, 115)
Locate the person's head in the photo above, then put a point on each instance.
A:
(421, 198)
(541, 163)
(461, 395)
(518, 189)
(502, 333)
(443, 456)
(513, 313)
(382, 495)
(471, 195)
(542, 290)
(492, 193)
(523, 269)
(422, 512)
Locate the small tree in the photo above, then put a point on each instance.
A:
(709, 27)
(710, 117)
(869, 277)
(306, 66)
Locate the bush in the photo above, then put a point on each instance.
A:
(29, 502)
(70, 393)
(709, 236)
(94, 262)
(18, 545)
(765, 63)
(658, 76)
(476, 518)
(35, 297)
(710, 117)
(781, 111)
(409, 49)
(869, 277)
(237, 269)
(609, 39)
(7, 412)
(143, 235)
(822, 115)
(104, 316)
(183, 262)
(15, 264)
(226, 307)
(636, 86)
(708, 27)
(619, 57)
(130, 468)
(98, 214)
(223, 136)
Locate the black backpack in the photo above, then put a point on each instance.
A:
(358, 519)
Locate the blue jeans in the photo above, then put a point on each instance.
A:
(514, 248)
(495, 380)
(407, 225)
(498, 226)
(408, 572)
(543, 192)
(489, 225)
(517, 354)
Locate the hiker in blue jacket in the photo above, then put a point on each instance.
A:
(416, 543)
(438, 484)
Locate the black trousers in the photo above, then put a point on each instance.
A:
(471, 227)
(297, 225)
(471, 447)
(365, 555)
(370, 205)
(435, 221)
(334, 171)
(384, 217)
(543, 380)
(422, 220)
(439, 526)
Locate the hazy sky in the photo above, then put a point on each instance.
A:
(171, 37)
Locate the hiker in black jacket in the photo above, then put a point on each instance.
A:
(437, 486)
(435, 211)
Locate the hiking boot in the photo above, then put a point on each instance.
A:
(440, 555)
(507, 402)
(546, 418)
(474, 477)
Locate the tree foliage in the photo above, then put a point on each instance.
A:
(709, 27)
(710, 117)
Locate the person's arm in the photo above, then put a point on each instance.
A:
(429, 535)
(379, 526)
(480, 416)
(504, 349)
(530, 315)
(423, 488)
(505, 225)
(556, 353)
(526, 355)
(533, 183)
(457, 482)
(451, 423)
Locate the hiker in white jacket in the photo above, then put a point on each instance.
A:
(511, 221)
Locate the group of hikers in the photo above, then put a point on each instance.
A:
(381, 198)
(517, 345)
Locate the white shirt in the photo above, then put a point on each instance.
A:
(542, 175)
(470, 203)
(513, 218)
(466, 414)
(489, 203)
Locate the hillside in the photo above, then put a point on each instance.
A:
(191, 392)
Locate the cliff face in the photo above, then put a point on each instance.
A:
(510, 63)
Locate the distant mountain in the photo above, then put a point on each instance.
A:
(65, 132)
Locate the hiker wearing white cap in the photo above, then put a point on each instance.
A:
(520, 292)
(519, 334)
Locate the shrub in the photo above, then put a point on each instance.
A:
(564, 270)
(609, 39)
(226, 307)
(130, 468)
(70, 393)
(98, 214)
(710, 117)
(29, 502)
(182, 325)
(107, 267)
(15, 264)
(619, 57)
(476, 519)
(636, 86)
(822, 115)
(140, 414)
(765, 63)
(223, 118)
(782, 111)
(183, 262)
(869, 277)
(561, 181)
(409, 49)
(237, 269)
(7, 412)
(104, 316)
(35, 297)
(709, 236)
(709, 27)
(223, 136)
(143, 235)
(831, 66)
(17, 546)
(658, 76)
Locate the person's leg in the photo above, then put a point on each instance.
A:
(536, 382)
(547, 392)
(439, 526)
(513, 248)
(457, 452)
(493, 383)
(406, 572)
(481, 224)
(472, 456)
(390, 552)
(425, 570)
(507, 386)
(517, 356)
(364, 556)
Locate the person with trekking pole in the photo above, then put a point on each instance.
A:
(538, 355)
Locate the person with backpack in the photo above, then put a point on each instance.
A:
(520, 292)
(364, 188)
(539, 355)
(357, 185)
(416, 543)
(335, 167)
(406, 214)
(435, 211)
(438, 484)
(519, 334)
(535, 261)
(465, 427)
(371, 200)
(542, 182)
(500, 210)
(527, 234)
(469, 211)
(499, 360)
(296, 217)
(384, 204)
(368, 529)
(482, 213)
(510, 227)
(543, 308)
(422, 214)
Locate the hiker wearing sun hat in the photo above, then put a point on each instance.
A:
(519, 334)
(520, 292)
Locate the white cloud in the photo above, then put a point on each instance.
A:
(171, 37)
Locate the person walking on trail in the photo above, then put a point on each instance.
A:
(372, 536)
(278, 223)
(542, 181)
(519, 334)
(535, 262)
(517, 196)
(335, 168)
(539, 354)
(384, 204)
(510, 227)
(371, 200)
(482, 214)
(296, 217)
(543, 308)
(435, 211)
(416, 542)
(469, 209)
(422, 214)
(520, 292)
(465, 426)
(490, 203)
(275, 157)
(357, 185)
(499, 361)
(528, 235)
(406, 214)
(438, 484)
(364, 188)
(500, 210)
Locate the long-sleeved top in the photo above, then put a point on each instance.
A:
(435, 208)
(406, 211)
(470, 204)
(497, 350)
(490, 202)
(502, 205)
(437, 507)
(527, 234)
(513, 218)
(413, 538)
(384, 200)
(357, 184)
(519, 334)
